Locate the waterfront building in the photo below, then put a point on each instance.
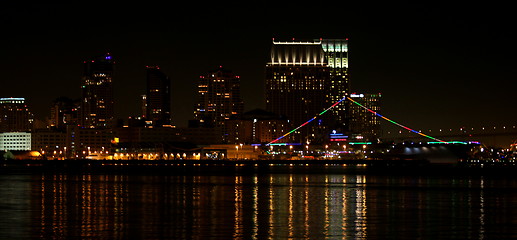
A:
(163, 142)
(97, 105)
(257, 126)
(298, 85)
(72, 142)
(82, 142)
(219, 98)
(15, 115)
(134, 135)
(17, 141)
(158, 97)
(48, 140)
(363, 122)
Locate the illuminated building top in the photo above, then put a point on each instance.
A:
(12, 100)
(297, 53)
(15, 115)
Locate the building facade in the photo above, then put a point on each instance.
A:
(15, 115)
(298, 85)
(257, 126)
(97, 105)
(48, 140)
(219, 98)
(158, 97)
(363, 122)
(17, 141)
(336, 53)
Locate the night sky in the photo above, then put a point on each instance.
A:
(437, 66)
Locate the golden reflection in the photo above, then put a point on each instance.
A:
(271, 192)
(344, 204)
(305, 208)
(290, 221)
(482, 209)
(271, 206)
(80, 205)
(361, 208)
(327, 203)
(238, 215)
(255, 208)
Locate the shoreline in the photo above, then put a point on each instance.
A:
(233, 167)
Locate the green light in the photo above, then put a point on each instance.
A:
(396, 123)
(451, 142)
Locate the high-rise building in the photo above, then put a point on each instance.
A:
(298, 84)
(97, 105)
(336, 53)
(219, 98)
(15, 115)
(363, 122)
(63, 112)
(158, 97)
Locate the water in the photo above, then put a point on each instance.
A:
(257, 206)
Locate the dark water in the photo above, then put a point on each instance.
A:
(257, 206)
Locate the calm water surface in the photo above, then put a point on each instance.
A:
(257, 206)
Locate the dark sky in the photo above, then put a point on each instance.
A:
(437, 66)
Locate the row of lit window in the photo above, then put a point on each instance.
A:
(15, 141)
(16, 147)
(8, 102)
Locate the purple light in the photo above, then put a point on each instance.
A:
(108, 57)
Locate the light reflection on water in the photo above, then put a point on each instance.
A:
(256, 206)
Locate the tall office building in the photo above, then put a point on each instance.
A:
(97, 105)
(298, 85)
(15, 115)
(219, 98)
(336, 53)
(158, 97)
(363, 122)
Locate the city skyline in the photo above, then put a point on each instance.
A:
(434, 67)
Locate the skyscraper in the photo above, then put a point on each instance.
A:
(97, 105)
(219, 97)
(363, 122)
(298, 84)
(336, 53)
(158, 97)
(15, 115)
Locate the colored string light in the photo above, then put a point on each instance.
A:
(369, 110)
(396, 123)
(305, 123)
